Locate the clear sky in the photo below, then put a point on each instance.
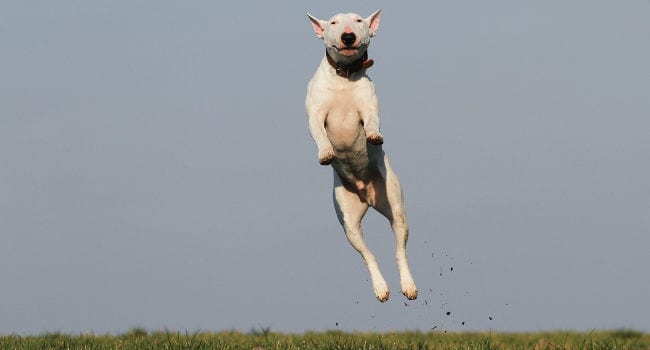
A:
(156, 169)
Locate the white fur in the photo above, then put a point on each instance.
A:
(344, 123)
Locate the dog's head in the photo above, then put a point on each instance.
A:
(346, 35)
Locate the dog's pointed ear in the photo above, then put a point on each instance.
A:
(319, 25)
(373, 22)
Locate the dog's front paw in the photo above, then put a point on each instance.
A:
(375, 138)
(326, 157)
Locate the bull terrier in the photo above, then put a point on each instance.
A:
(344, 122)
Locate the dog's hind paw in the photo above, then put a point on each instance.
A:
(410, 294)
(382, 294)
(375, 138)
(409, 289)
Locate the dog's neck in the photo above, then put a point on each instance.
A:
(345, 70)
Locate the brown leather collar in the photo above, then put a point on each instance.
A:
(345, 70)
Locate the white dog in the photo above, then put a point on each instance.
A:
(344, 122)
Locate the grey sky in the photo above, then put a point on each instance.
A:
(156, 168)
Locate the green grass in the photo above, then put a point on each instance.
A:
(142, 340)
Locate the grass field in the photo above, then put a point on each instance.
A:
(142, 340)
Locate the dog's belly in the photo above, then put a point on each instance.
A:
(352, 154)
(357, 169)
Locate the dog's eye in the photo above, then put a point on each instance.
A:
(333, 22)
(359, 20)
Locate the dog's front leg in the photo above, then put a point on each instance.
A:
(370, 118)
(319, 134)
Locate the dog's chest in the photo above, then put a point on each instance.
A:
(343, 122)
(345, 131)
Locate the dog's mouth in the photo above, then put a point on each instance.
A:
(347, 50)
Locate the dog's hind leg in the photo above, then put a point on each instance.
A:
(350, 209)
(388, 200)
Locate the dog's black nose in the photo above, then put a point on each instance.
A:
(348, 38)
